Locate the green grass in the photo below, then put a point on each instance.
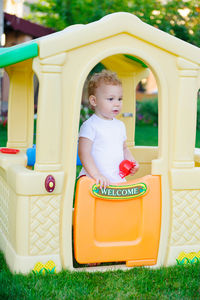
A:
(3, 135)
(178, 282)
(198, 139)
(146, 135)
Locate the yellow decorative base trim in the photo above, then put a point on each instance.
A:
(141, 262)
(41, 268)
(188, 258)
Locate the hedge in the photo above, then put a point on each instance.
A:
(146, 112)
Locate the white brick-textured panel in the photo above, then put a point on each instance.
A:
(185, 218)
(4, 206)
(44, 225)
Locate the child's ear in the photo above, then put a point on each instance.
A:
(92, 100)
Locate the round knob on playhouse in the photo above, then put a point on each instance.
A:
(50, 183)
(125, 167)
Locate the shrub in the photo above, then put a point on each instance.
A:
(85, 113)
(147, 112)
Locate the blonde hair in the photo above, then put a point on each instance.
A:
(105, 76)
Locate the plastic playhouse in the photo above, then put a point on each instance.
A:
(149, 220)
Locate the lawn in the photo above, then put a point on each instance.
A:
(177, 282)
(148, 136)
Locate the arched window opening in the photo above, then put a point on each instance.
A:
(145, 95)
(146, 133)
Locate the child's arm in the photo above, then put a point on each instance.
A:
(129, 156)
(84, 152)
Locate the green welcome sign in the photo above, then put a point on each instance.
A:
(120, 192)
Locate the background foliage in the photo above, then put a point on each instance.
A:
(165, 15)
(146, 112)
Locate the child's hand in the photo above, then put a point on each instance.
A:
(102, 181)
(135, 168)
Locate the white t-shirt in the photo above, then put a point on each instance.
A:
(108, 137)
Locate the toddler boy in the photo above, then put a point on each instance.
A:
(102, 138)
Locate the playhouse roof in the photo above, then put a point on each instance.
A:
(79, 35)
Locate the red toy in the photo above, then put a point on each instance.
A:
(9, 150)
(125, 167)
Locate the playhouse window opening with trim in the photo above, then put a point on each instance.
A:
(134, 73)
